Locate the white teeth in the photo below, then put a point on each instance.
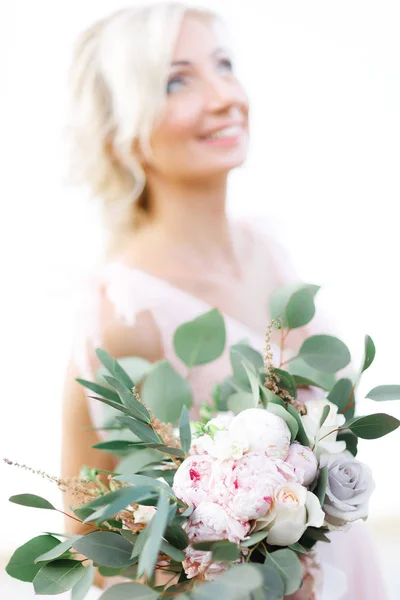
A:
(227, 132)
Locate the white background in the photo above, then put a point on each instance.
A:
(324, 82)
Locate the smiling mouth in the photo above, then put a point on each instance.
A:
(227, 132)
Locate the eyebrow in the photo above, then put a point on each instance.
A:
(186, 63)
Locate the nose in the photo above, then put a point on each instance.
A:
(221, 94)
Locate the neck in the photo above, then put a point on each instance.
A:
(192, 218)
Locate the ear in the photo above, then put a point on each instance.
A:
(138, 152)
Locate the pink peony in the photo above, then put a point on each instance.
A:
(246, 486)
(210, 522)
(191, 481)
(304, 462)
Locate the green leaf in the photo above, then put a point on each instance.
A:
(373, 426)
(288, 565)
(202, 340)
(130, 591)
(299, 548)
(269, 397)
(286, 382)
(57, 551)
(118, 406)
(58, 577)
(299, 367)
(21, 564)
(32, 500)
(116, 446)
(119, 500)
(238, 352)
(325, 412)
(325, 353)
(317, 534)
(273, 586)
(340, 395)
(290, 421)
(136, 408)
(176, 536)
(254, 538)
(144, 431)
(135, 367)
(149, 554)
(164, 391)
(105, 548)
(300, 308)
(322, 484)
(240, 401)
(113, 366)
(280, 299)
(184, 430)
(301, 434)
(350, 439)
(301, 381)
(82, 587)
(369, 353)
(174, 553)
(142, 480)
(235, 584)
(139, 459)
(384, 392)
(225, 390)
(99, 389)
(222, 550)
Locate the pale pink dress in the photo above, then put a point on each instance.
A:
(349, 563)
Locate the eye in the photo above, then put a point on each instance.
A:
(175, 83)
(225, 64)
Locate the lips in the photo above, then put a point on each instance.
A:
(230, 131)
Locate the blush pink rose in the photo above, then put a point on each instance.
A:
(191, 481)
(304, 463)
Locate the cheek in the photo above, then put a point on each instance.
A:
(181, 119)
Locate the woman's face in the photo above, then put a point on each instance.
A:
(203, 130)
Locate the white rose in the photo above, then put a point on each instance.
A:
(315, 433)
(262, 431)
(294, 509)
(349, 489)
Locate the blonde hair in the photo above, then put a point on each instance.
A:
(118, 81)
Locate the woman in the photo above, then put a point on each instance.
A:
(160, 121)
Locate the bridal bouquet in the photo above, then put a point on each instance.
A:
(230, 506)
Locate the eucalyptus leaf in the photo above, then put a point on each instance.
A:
(165, 391)
(129, 591)
(238, 352)
(351, 441)
(176, 536)
(273, 586)
(384, 392)
(82, 587)
(325, 412)
(300, 309)
(254, 538)
(201, 340)
(121, 499)
(32, 500)
(373, 426)
(280, 299)
(288, 565)
(325, 353)
(225, 551)
(369, 353)
(286, 382)
(58, 577)
(269, 397)
(172, 552)
(184, 430)
(21, 564)
(240, 401)
(290, 421)
(149, 554)
(322, 484)
(298, 366)
(301, 381)
(234, 584)
(116, 446)
(105, 548)
(135, 367)
(57, 551)
(301, 437)
(141, 480)
(340, 395)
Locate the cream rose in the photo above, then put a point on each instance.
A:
(262, 431)
(294, 509)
